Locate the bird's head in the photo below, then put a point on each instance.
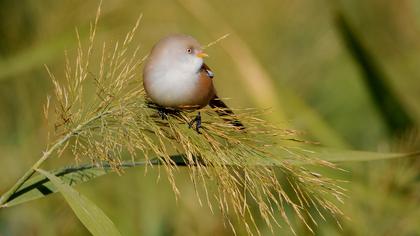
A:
(178, 51)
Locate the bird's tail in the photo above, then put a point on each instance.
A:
(225, 112)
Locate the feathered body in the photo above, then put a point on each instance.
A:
(175, 76)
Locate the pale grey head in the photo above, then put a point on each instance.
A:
(175, 52)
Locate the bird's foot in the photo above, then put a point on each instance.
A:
(197, 121)
(163, 113)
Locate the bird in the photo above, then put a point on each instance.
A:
(176, 77)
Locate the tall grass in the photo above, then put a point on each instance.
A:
(99, 119)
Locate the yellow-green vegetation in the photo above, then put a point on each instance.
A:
(318, 67)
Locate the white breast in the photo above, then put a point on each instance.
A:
(172, 88)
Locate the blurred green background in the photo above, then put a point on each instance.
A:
(345, 72)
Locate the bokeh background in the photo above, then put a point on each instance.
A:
(347, 73)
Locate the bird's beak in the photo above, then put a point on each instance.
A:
(202, 55)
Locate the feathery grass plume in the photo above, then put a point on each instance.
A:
(117, 122)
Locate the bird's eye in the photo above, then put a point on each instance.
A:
(189, 50)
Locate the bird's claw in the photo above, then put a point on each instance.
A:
(197, 121)
(162, 113)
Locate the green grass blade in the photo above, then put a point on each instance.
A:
(40, 186)
(341, 155)
(389, 105)
(88, 213)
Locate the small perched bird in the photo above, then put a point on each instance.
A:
(175, 76)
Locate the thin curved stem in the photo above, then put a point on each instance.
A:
(46, 155)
